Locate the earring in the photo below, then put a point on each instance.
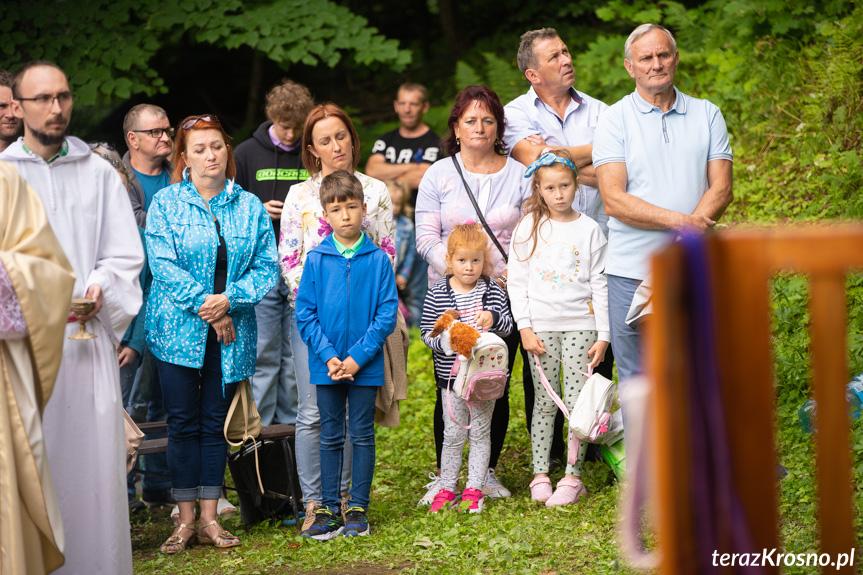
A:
(457, 141)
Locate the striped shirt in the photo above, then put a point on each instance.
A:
(485, 296)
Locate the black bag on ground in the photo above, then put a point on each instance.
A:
(278, 467)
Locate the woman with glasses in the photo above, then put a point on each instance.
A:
(330, 143)
(213, 257)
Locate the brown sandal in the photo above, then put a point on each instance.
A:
(175, 543)
(224, 539)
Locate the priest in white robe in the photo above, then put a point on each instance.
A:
(89, 212)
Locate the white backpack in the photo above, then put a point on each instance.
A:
(591, 416)
(483, 376)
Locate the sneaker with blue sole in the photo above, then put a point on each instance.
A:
(356, 522)
(326, 525)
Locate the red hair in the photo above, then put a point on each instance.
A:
(181, 139)
(321, 112)
(488, 99)
(469, 237)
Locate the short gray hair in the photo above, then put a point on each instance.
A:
(526, 57)
(130, 122)
(641, 31)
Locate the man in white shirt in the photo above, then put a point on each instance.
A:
(89, 212)
(552, 113)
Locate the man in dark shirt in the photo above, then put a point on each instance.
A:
(148, 135)
(404, 155)
(268, 164)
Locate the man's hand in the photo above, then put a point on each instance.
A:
(126, 355)
(695, 222)
(94, 292)
(530, 342)
(225, 330)
(535, 140)
(274, 209)
(215, 306)
(401, 282)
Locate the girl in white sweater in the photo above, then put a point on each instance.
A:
(559, 300)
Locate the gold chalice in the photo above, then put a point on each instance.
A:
(82, 306)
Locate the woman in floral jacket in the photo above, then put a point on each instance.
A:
(330, 143)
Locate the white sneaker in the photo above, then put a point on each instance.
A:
(225, 509)
(175, 514)
(432, 489)
(493, 487)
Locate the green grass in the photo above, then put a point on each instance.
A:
(513, 535)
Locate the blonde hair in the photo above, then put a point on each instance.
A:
(469, 237)
(535, 205)
(403, 202)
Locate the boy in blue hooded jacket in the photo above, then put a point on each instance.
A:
(346, 307)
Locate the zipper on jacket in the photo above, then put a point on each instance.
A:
(348, 330)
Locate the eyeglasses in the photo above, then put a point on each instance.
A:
(157, 132)
(44, 100)
(194, 120)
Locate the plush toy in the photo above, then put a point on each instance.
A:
(455, 336)
(444, 321)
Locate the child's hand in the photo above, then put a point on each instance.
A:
(401, 282)
(334, 368)
(530, 342)
(484, 319)
(351, 368)
(596, 353)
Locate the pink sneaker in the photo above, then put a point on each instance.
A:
(540, 489)
(476, 498)
(444, 498)
(568, 492)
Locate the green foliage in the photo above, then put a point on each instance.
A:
(106, 46)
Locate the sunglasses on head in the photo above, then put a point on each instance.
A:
(194, 120)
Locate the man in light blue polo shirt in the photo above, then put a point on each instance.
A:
(664, 164)
(554, 114)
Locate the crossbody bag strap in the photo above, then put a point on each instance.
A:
(478, 212)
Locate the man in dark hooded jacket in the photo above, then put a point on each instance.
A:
(268, 164)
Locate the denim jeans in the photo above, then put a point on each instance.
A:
(197, 408)
(624, 339)
(332, 401)
(308, 434)
(275, 382)
(414, 295)
(145, 403)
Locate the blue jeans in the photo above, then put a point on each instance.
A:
(308, 437)
(145, 403)
(414, 296)
(332, 401)
(197, 408)
(625, 339)
(274, 382)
